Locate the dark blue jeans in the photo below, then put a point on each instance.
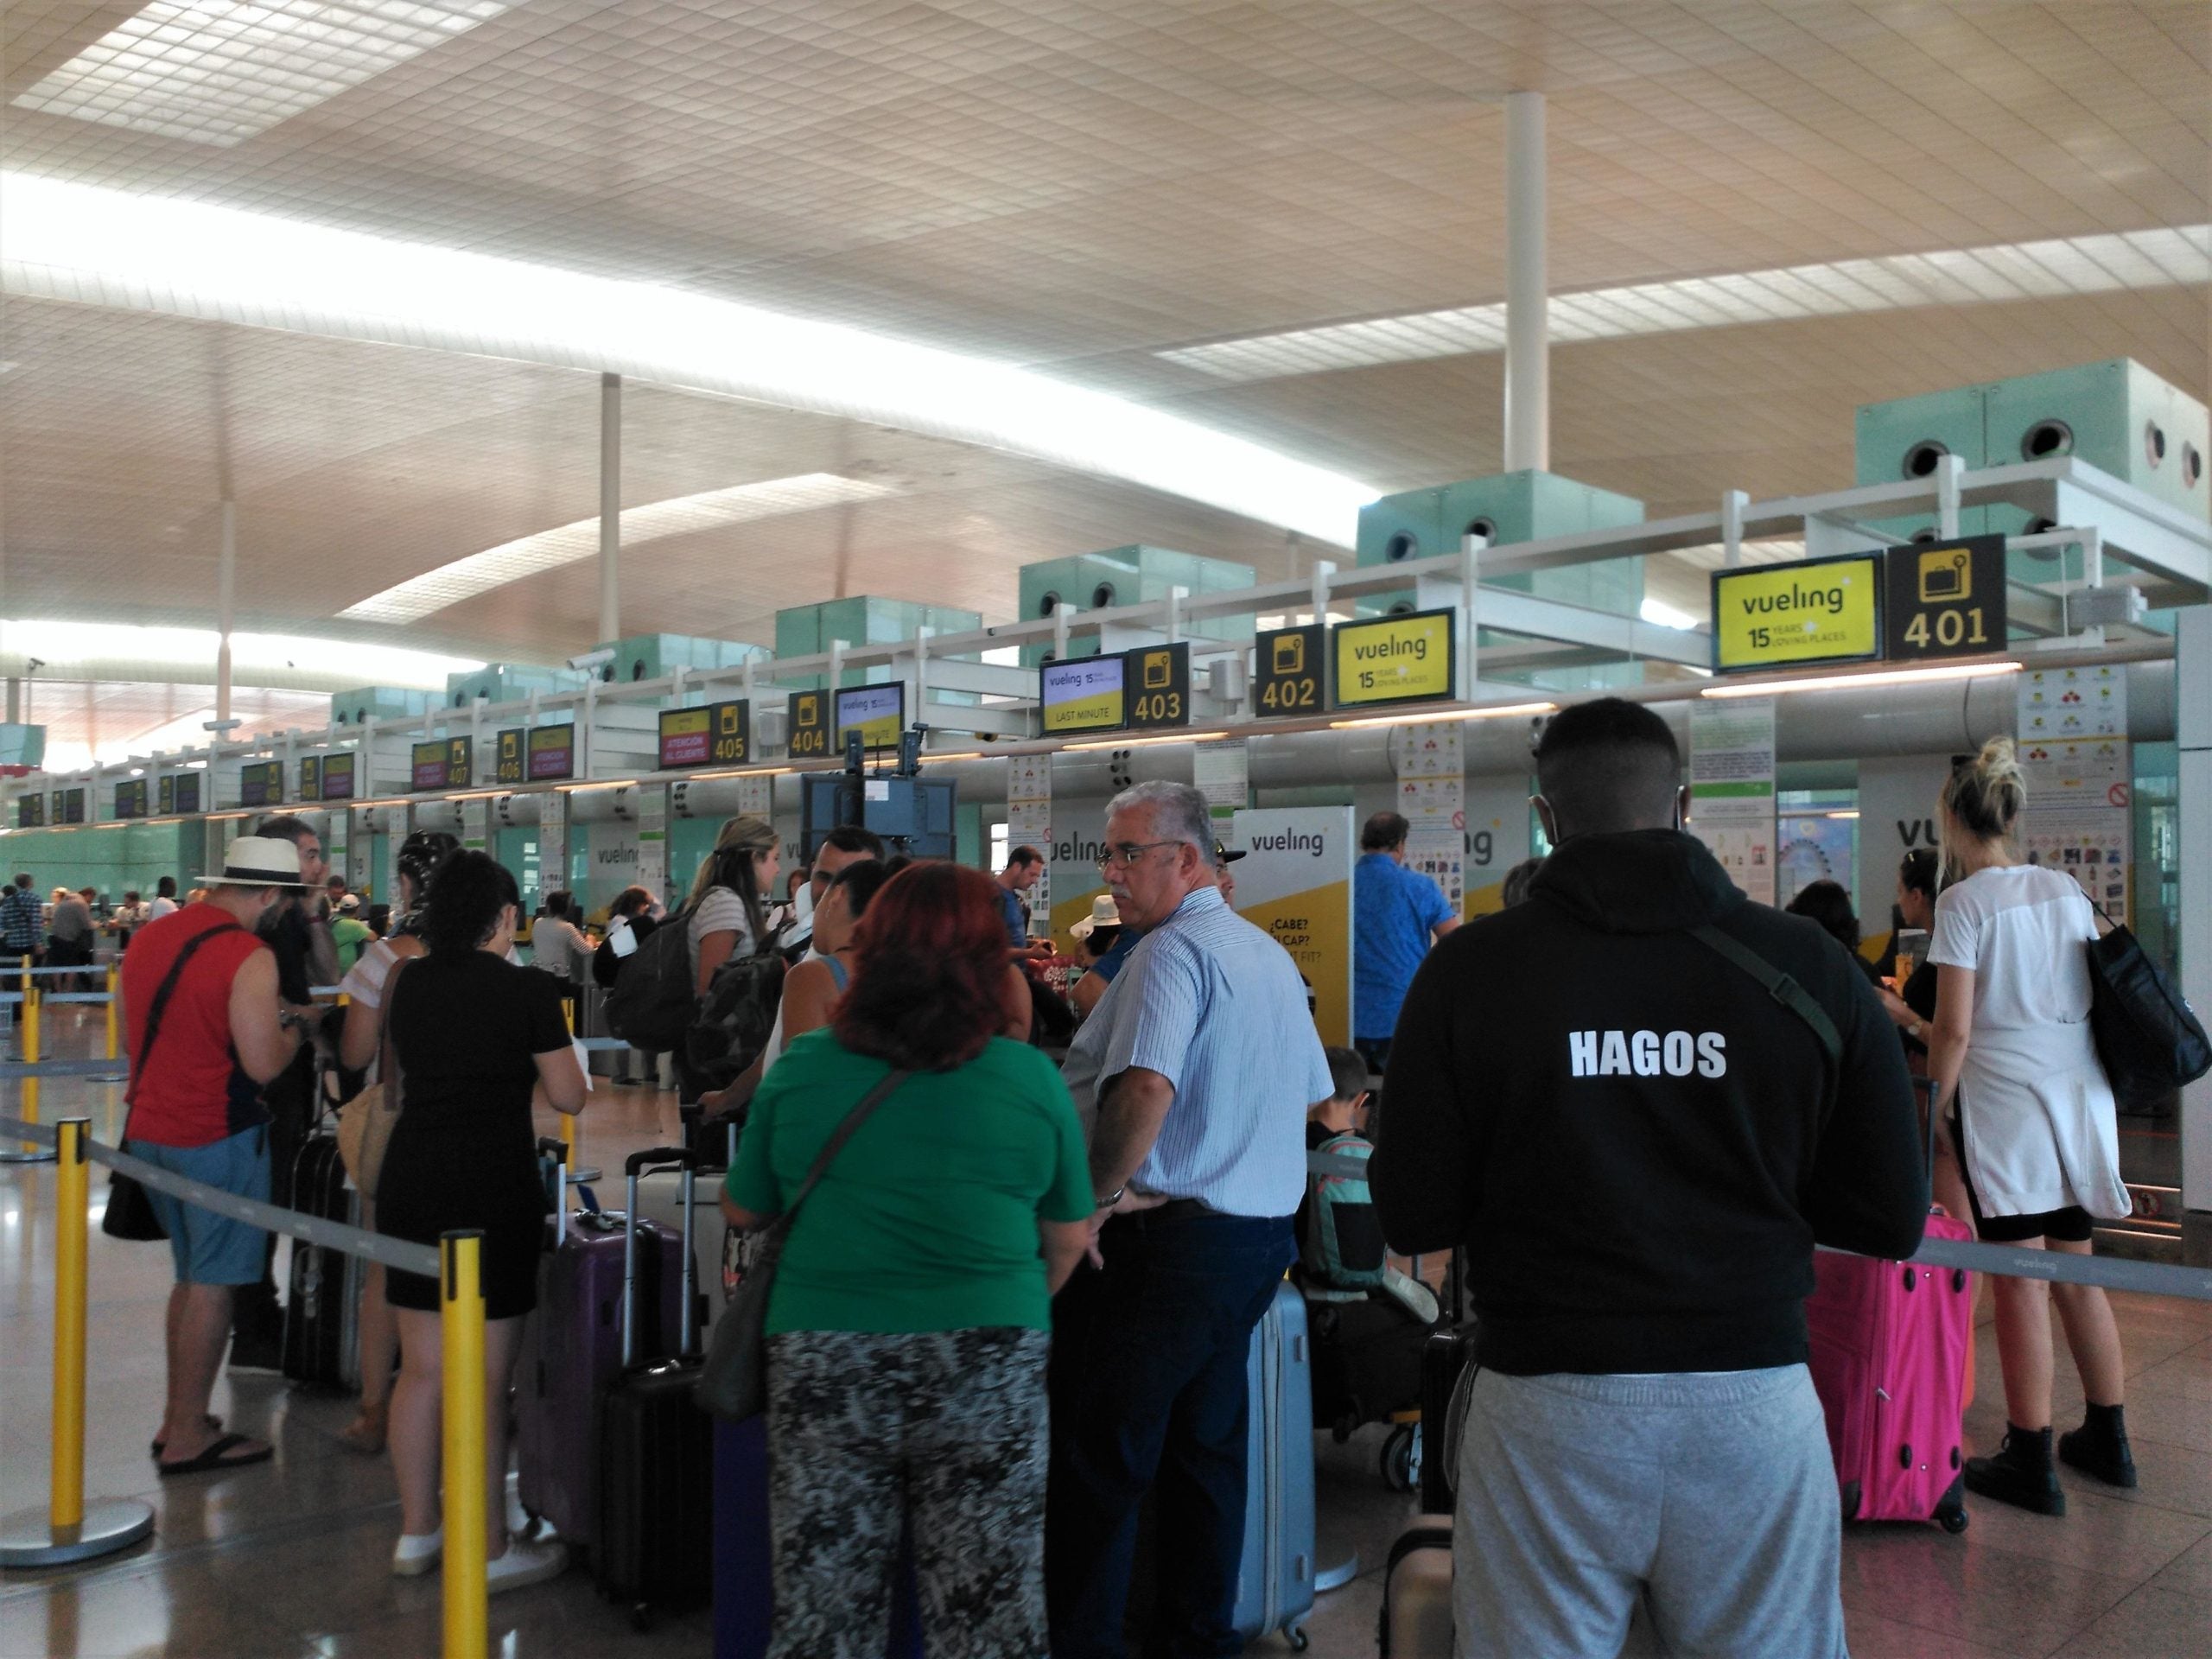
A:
(1148, 1386)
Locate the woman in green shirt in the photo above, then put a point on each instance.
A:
(908, 1331)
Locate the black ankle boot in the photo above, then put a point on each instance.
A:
(2020, 1474)
(2099, 1447)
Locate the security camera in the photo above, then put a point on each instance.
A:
(591, 659)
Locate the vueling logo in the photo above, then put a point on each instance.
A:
(1647, 1053)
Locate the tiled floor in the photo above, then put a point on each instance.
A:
(288, 1561)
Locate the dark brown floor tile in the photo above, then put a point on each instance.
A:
(1872, 1637)
(2151, 1621)
(2189, 1574)
(1958, 1586)
(2124, 1542)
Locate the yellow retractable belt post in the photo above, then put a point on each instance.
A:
(114, 1024)
(65, 1532)
(467, 1615)
(569, 1119)
(31, 1013)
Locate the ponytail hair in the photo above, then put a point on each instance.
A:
(1985, 796)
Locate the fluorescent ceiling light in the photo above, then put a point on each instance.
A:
(104, 644)
(1885, 676)
(2165, 258)
(1661, 614)
(1422, 717)
(217, 71)
(1145, 742)
(90, 245)
(549, 549)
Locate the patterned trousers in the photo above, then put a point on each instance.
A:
(940, 1435)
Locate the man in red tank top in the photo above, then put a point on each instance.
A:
(206, 1031)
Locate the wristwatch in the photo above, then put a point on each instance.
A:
(1112, 1198)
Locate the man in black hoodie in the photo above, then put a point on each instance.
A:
(1639, 1143)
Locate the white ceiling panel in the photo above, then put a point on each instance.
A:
(1078, 186)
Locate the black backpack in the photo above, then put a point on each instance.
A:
(737, 1015)
(652, 1005)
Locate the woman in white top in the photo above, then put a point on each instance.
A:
(728, 912)
(2036, 1119)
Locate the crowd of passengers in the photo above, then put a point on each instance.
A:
(1021, 1299)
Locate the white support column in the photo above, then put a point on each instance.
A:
(226, 570)
(1949, 469)
(610, 509)
(1528, 325)
(1733, 504)
(1470, 554)
(1323, 569)
(2193, 841)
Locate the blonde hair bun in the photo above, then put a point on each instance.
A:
(1985, 796)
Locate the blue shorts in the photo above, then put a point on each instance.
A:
(209, 1248)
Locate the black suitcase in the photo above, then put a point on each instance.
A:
(321, 1348)
(1367, 1360)
(1443, 1361)
(655, 1546)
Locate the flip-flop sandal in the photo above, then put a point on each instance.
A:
(213, 1457)
(214, 1427)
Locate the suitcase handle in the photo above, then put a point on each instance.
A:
(549, 1147)
(635, 1165)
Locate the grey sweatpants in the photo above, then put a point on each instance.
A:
(1710, 1499)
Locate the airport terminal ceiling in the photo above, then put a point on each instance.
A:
(1081, 190)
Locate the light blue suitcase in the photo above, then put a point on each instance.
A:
(1275, 1585)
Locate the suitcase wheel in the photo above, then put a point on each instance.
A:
(1402, 1458)
(641, 1618)
(1850, 1496)
(1295, 1635)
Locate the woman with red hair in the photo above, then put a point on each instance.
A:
(909, 1326)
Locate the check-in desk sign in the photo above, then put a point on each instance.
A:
(1922, 602)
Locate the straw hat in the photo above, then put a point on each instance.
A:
(257, 861)
(1103, 914)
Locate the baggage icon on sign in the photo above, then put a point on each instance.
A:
(1290, 653)
(1945, 575)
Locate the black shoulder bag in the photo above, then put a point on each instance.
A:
(2148, 1040)
(1779, 985)
(130, 1212)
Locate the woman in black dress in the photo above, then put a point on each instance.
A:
(478, 1041)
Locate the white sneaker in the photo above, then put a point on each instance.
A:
(417, 1553)
(525, 1564)
(520, 1522)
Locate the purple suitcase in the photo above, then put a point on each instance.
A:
(572, 1355)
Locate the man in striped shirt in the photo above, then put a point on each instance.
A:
(21, 936)
(1198, 1067)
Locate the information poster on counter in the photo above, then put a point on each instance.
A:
(1083, 695)
(1731, 788)
(1078, 840)
(475, 837)
(1029, 824)
(552, 843)
(1294, 882)
(1429, 757)
(2079, 773)
(1395, 659)
(652, 843)
(1222, 773)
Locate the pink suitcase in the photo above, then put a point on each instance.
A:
(1890, 1345)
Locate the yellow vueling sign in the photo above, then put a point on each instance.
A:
(1394, 658)
(1812, 611)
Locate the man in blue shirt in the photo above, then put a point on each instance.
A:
(1023, 866)
(1197, 1069)
(20, 936)
(1396, 913)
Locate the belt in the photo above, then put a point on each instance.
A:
(1181, 1210)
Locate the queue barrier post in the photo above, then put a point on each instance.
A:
(569, 1119)
(114, 1024)
(461, 1319)
(67, 1531)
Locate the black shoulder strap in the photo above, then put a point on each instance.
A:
(1780, 985)
(159, 1005)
